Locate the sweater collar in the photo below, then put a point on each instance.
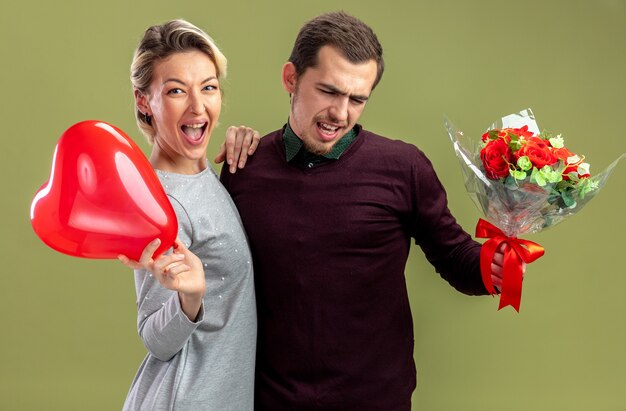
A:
(294, 145)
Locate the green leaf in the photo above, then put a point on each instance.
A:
(524, 163)
(557, 142)
(560, 167)
(586, 186)
(573, 177)
(545, 135)
(537, 178)
(567, 199)
(518, 174)
(510, 182)
(550, 175)
(515, 145)
(563, 185)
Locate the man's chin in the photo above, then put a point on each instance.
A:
(319, 150)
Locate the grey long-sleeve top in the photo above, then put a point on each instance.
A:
(207, 364)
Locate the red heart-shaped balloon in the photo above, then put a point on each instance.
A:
(103, 197)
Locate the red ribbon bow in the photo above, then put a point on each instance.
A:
(518, 251)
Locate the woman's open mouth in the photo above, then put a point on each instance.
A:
(194, 132)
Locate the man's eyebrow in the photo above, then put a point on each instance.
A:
(335, 90)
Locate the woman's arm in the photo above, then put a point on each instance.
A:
(170, 292)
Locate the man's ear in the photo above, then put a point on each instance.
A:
(141, 102)
(289, 77)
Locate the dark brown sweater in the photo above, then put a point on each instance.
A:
(329, 246)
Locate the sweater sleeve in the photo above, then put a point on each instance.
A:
(163, 326)
(452, 251)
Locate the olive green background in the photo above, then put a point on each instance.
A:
(68, 339)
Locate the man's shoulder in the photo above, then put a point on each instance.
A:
(271, 137)
(265, 157)
(390, 146)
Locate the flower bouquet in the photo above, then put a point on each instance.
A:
(524, 181)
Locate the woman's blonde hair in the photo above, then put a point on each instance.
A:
(158, 43)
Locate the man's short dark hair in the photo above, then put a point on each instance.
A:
(352, 37)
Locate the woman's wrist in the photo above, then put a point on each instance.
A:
(191, 304)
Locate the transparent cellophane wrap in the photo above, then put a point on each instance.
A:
(524, 207)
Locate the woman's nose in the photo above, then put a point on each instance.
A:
(196, 103)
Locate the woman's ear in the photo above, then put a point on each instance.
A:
(289, 77)
(141, 102)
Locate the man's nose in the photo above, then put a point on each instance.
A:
(339, 109)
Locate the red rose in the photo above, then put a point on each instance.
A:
(496, 156)
(522, 132)
(562, 154)
(538, 152)
(505, 135)
(495, 134)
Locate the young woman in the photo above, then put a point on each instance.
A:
(196, 305)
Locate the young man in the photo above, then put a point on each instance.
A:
(330, 210)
